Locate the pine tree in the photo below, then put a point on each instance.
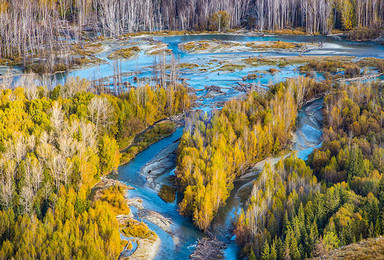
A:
(355, 163)
(251, 255)
(266, 252)
(273, 254)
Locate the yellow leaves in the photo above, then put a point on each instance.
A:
(3, 6)
(114, 196)
(219, 21)
(185, 206)
(49, 4)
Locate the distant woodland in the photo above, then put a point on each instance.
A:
(27, 26)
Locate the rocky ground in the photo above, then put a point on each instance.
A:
(160, 166)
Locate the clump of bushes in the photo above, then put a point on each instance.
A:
(272, 45)
(328, 65)
(364, 34)
(273, 71)
(167, 193)
(372, 62)
(195, 46)
(151, 136)
(352, 71)
(187, 65)
(231, 67)
(251, 76)
(114, 196)
(257, 61)
(282, 45)
(138, 229)
(161, 52)
(287, 31)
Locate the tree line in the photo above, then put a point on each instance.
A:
(43, 28)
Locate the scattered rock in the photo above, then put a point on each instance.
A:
(135, 202)
(157, 219)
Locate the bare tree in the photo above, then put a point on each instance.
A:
(26, 197)
(100, 112)
(6, 183)
(57, 118)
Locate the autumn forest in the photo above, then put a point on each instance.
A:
(174, 129)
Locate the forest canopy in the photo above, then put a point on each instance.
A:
(54, 147)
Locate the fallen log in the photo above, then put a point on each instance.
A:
(208, 248)
(366, 77)
(214, 88)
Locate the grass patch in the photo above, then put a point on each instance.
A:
(161, 52)
(372, 248)
(282, 45)
(195, 46)
(257, 61)
(273, 45)
(296, 31)
(125, 53)
(187, 65)
(327, 64)
(88, 49)
(231, 67)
